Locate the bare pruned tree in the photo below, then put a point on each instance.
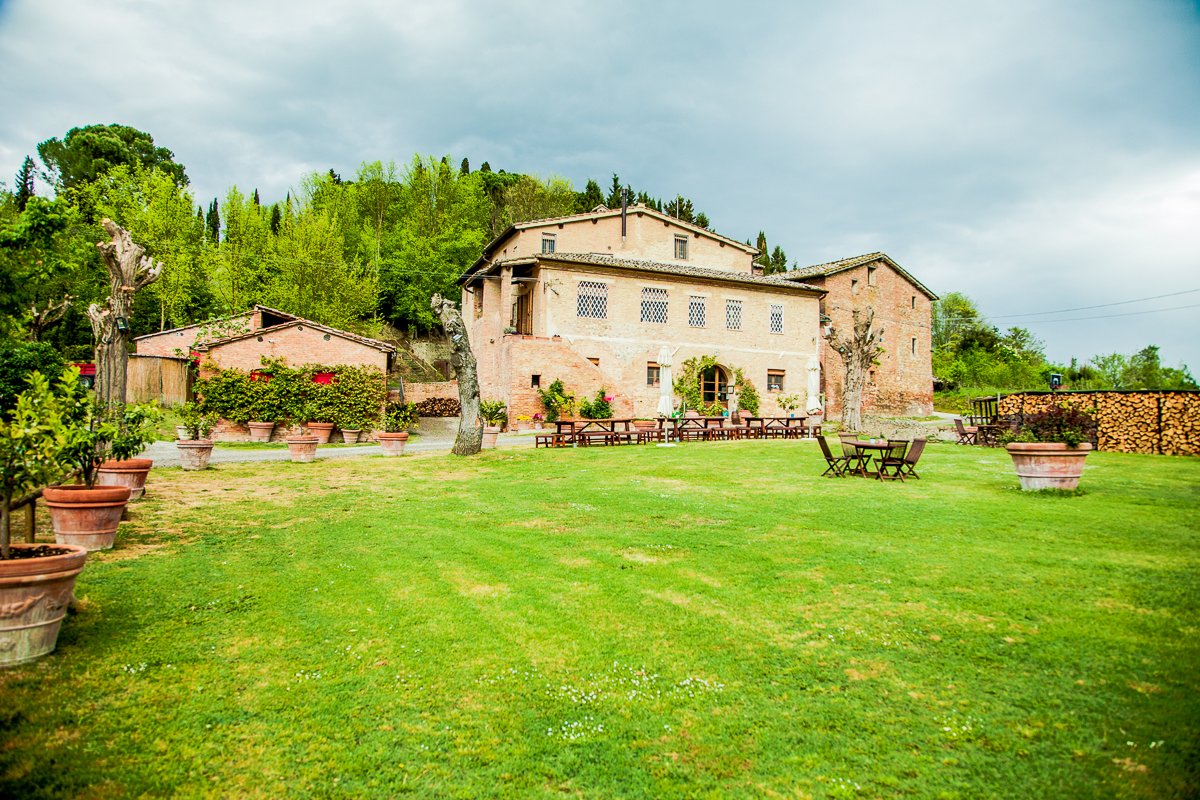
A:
(859, 352)
(470, 433)
(129, 269)
(40, 321)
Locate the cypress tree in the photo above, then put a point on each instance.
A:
(485, 167)
(24, 184)
(213, 222)
(464, 168)
(254, 198)
(276, 218)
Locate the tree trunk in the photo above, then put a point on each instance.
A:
(51, 315)
(470, 433)
(859, 353)
(129, 269)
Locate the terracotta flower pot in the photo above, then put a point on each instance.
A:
(260, 431)
(393, 443)
(194, 453)
(321, 430)
(1048, 465)
(302, 448)
(131, 472)
(86, 516)
(350, 436)
(490, 433)
(34, 594)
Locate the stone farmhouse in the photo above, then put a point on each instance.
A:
(242, 340)
(592, 299)
(902, 381)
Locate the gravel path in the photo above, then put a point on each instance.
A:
(165, 454)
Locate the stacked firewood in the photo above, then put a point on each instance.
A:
(438, 407)
(1128, 422)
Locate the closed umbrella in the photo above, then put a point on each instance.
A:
(666, 402)
(813, 401)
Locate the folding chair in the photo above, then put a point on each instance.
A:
(837, 464)
(912, 457)
(856, 459)
(966, 434)
(891, 463)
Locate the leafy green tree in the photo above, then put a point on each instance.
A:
(529, 198)
(778, 261)
(212, 222)
(86, 153)
(239, 269)
(589, 198)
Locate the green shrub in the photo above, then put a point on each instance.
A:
(399, 417)
(18, 362)
(557, 401)
(494, 412)
(599, 408)
(198, 420)
(353, 399)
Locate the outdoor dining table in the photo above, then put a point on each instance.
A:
(688, 428)
(879, 446)
(775, 427)
(587, 431)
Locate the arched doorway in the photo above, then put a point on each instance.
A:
(714, 384)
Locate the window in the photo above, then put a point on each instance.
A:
(854, 287)
(681, 245)
(871, 276)
(914, 301)
(696, 311)
(535, 381)
(654, 305)
(914, 345)
(774, 380)
(653, 374)
(776, 318)
(593, 300)
(871, 377)
(547, 242)
(733, 315)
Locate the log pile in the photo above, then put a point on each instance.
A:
(438, 407)
(1129, 422)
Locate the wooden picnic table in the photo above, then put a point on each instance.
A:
(590, 431)
(775, 427)
(690, 428)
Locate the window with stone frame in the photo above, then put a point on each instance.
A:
(733, 315)
(654, 305)
(653, 374)
(548, 242)
(775, 380)
(776, 315)
(592, 300)
(696, 309)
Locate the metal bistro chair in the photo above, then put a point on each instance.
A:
(891, 462)
(837, 464)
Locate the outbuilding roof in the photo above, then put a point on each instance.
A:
(832, 267)
(296, 322)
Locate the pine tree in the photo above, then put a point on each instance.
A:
(485, 167)
(213, 222)
(464, 168)
(614, 194)
(778, 261)
(589, 198)
(702, 221)
(24, 184)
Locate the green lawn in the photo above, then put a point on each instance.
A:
(711, 620)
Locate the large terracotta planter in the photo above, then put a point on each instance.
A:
(393, 443)
(34, 594)
(86, 516)
(321, 430)
(181, 433)
(194, 453)
(490, 434)
(131, 472)
(302, 448)
(1048, 465)
(260, 431)
(350, 436)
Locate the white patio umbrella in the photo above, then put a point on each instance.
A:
(666, 392)
(813, 401)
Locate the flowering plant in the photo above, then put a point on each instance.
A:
(524, 418)
(537, 417)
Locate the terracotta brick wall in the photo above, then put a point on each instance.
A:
(903, 380)
(416, 392)
(296, 346)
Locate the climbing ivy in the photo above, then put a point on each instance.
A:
(688, 386)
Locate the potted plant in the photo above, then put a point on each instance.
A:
(789, 403)
(1048, 449)
(138, 425)
(86, 514)
(494, 414)
(198, 423)
(264, 408)
(537, 421)
(319, 412)
(397, 419)
(37, 581)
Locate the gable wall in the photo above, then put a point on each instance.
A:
(178, 342)
(296, 346)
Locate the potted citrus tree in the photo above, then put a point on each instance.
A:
(494, 414)
(398, 418)
(1048, 449)
(138, 426)
(37, 581)
(198, 422)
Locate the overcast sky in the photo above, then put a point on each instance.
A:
(1036, 155)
